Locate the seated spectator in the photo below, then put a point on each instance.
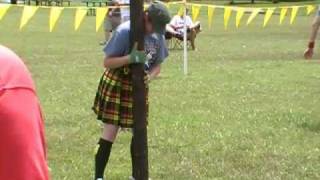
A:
(175, 28)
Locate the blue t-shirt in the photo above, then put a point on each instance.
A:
(154, 45)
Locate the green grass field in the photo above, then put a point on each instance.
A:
(249, 108)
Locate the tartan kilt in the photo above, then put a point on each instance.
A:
(113, 102)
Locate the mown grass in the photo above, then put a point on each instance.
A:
(248, 109)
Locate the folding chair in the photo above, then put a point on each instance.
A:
(176, 42)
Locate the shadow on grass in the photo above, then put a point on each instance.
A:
(311, 126)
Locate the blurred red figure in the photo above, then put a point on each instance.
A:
(22, 149)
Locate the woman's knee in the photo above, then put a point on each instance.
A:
(110, 132)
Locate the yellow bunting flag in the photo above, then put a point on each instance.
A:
(310, 9)
(283, 13)
(27, 13)
(210, 15)
(254, 13)
(240, 12)
(80, 14)
(167, 5)
(226, 16)
(55, 13)
(181, 11)
(268, 16)
(3, 10)
(294, 13)
(100, 15)
(195, 11)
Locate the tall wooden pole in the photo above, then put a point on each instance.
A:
(140, 141)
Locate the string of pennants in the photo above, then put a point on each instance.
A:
(240, 11)
(80, 13)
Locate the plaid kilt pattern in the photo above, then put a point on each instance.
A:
(113, 102)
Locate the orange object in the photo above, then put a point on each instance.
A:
(22, 148)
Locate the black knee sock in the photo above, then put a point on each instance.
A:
(102, 157)
(132, 157)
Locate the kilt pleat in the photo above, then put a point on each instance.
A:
(113, 100)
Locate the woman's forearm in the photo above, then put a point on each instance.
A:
(115, 62)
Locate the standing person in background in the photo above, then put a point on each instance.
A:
(125, 11)
(115, 17)
(23, 149)
(308, 53)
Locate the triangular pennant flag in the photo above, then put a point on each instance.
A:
(254, 13)
(100, 16)
(310, 8)
(195, 11)
(3, 10)
(294, 13)
(210, 15)
(283, 13)
(226, 16)
(80, 14)
(27, 13)
(240, 12)
(181, 11)
(55, 13)
(268, 16)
